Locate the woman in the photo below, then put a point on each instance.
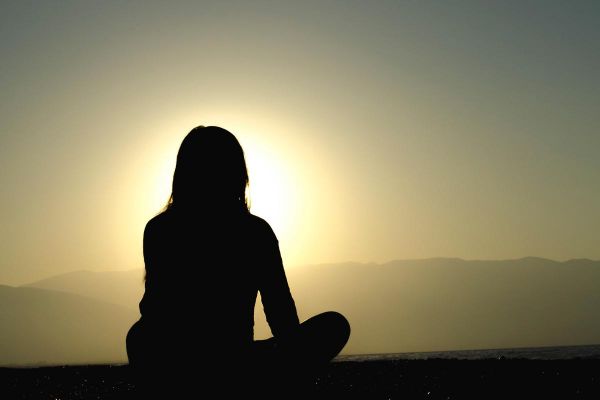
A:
(206, 258)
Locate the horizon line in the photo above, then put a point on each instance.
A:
(364, 263)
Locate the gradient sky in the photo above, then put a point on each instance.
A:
(373, 130)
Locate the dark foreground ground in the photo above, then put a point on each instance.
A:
(393, 379)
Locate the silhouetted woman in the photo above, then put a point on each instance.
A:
(206, 258)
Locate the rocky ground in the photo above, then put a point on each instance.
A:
(392, 379)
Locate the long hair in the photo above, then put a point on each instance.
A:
(210, 171)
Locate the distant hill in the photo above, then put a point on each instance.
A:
(418, 305)
(119, 287)
(48, 327)
(453, 304)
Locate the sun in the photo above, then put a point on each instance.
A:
(273, 187)
(270, 190)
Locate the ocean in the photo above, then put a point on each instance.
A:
(588, 352)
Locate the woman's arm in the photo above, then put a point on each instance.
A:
(148, 305)
(277, 300)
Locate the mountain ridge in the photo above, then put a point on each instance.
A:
(581, 260)
(435, 304)
(42, 326)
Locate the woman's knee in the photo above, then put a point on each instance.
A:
(336, 322)
(330, 329)
(132, 342)
(324, 336)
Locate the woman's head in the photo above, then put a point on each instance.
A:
(210, 172)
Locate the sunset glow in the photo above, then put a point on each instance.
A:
(429, 168)
(271, 191)
(372, 131)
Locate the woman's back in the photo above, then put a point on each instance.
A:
(205, 271)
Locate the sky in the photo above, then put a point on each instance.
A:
(373, 130)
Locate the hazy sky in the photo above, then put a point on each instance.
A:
(373, 130)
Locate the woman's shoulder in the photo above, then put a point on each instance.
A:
(255, 228)
(158, 222)
(260, 227)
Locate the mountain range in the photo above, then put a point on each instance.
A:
(400, 306)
